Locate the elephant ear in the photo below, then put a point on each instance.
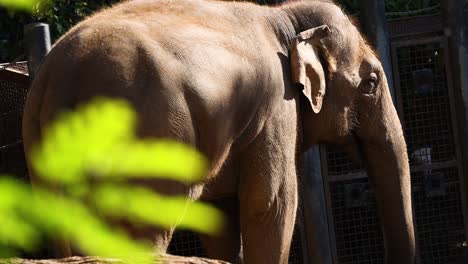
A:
(306, 67)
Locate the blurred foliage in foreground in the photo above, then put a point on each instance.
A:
(90, 155)
(26, 5)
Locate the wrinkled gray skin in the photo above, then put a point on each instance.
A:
(230, 79)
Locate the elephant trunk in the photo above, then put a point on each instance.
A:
(385, 153)
(390, 177)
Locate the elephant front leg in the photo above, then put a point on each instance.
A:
(268, 203)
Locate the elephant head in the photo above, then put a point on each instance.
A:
(346, 101)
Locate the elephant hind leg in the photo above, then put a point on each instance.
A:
(160, 237)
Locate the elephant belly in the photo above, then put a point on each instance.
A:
(222, 185)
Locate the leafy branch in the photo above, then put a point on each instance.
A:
(91, 155)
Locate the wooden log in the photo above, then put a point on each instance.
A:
(164, 259)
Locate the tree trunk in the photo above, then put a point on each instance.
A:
(164, 259)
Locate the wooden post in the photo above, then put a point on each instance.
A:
(37, 38)
(456, 30)
(316, 227)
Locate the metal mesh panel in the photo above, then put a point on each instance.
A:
(13, 88)
(186, 243)
(338, 163)
(426, 106)
(296, 252)
(428, 24)
(428, 126)
(357, 230)
(438, 215)
(427, 122)
(438, 218)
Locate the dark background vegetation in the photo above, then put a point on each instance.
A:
(63, 14)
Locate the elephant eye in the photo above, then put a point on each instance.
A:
(369, 85)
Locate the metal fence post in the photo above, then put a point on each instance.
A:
(374, 26)
(37, 37)
(456, 30)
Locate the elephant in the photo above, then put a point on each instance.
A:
(249, 86)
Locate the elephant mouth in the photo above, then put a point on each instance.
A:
(353, 146)
(350, 143)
